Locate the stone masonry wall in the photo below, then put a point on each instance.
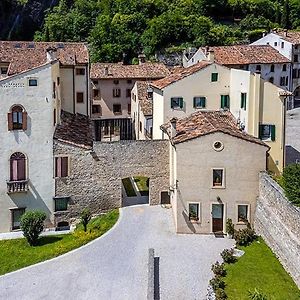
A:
(95, 176)
(278, 222)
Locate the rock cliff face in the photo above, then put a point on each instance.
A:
(20, 21)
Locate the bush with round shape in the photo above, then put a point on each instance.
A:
(228, 256)
(245, 237)
(217, 283)
(218, 269)
(32, 224)
(220, 294)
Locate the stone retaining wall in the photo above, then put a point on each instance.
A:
(278, 222)
(95, 176)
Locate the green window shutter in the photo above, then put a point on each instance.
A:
(273, 132)
(260, 130)
(222, 101)
(227, 101)
(214, 77)
(203, 102)
(172, 103)
(181, 102)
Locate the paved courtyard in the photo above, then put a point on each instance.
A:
(293, 136)
(115, 265)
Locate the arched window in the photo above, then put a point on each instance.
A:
(17, 167)
(271, 79)
(272, 68)
(17, 118)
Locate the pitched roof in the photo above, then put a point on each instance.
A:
(142, 94)
(206, 122)
(23, 56)
(180, 74)
(121, 71)
(247, 54)
(75, 129)
(290, 36)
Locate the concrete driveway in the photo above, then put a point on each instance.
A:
(115, 265)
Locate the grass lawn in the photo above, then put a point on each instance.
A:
(259, 268)
(130, 192)
(17, 254)
(142, 184)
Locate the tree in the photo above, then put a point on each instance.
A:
(85, 218)
(291, 183)
(32, 224)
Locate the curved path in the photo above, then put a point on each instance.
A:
(115, 265)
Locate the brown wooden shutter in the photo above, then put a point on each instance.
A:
(64, 166)
(57, 167)
(24, 120)
(10, 121)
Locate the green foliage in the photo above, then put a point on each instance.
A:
(85, 218)
(245, 237)
(291, 183)
(229, 227)
(217, 283)
(257, 295)
(220, 294)
(228, 257)
(218, 269)
(32, 224)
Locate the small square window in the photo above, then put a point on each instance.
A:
(79, 97)
(194, 212)
(243, 211)
(96, 109)
(199, 102)
(16, 215)
(218, 178)
(176, 102)
(61, 203)
(96, 93)
(258, 68)
(80, 71)
(116, 81)
(282, 44)
(117, 109)
(116, 93)
(275, 44)
(284, 67)
(95, 82)
(225, 102)
(32, 82)
(296, 58)
(267, 132)
(128, 93)
(3, 70)
(244, 100)
(129, 81)
(214, 77)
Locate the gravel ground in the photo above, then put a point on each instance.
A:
(115, 265)
(293, 135)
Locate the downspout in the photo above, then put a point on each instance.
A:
(74, 110)
(87, 90)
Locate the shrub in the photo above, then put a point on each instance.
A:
(257, 295)
(246, 236)
(217, 283)
(85, 218)
(218, 269)
(32, 224)
(229, 227)
(291, 183)
(228, 256)
(220, 294)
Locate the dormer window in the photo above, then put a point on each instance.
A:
(17, 118)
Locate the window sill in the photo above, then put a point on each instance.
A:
(218, 187)
(195, 222)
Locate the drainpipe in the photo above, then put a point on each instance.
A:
(74, 110)
(87, 89)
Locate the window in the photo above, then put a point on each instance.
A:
(225, 102)
(176, 102)
(96, 109)
(80, 71)
(128, 93)
(116, 81)
(117, 110)
(275, 44)
(282, 44)
(17, 118)
(218, 146)
(286, 80)
(199, 102)
(282, 80)
(284, 67)
(244, 100)
(16, 215)
(116, 93)
(54, 117)
(271, 79)
(296, 58)
(272, 68)
(79, 97)
(61, 166)
(17, 167)
(129, 108)
(96, 93)
(194, 212)
(243, 212)
(141, 126)
(3, 70)
(267, 132)
(58, 80)
(95, 82)
(258, 68)
(32, 82)
(54, 89)
(214, 77)
(129, 81)
(61, 203)
(218, 178)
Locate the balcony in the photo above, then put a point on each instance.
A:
(19, 186)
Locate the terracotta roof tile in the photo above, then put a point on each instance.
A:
(290, 36)
(205, 122)
(23, 56)
(75, 130)
(142, 94)
(247, 54)
(119, 71)
(180, 74)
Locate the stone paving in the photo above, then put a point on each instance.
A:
(293, 136)
(115, 265)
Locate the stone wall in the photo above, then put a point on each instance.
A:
(278, 222)
(95, 176)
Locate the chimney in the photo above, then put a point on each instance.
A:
(51, 54)
(142, 58)
(106, 70)
(285, 32)
(211, 55)
(173, 122)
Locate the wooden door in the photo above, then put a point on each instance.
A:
(217, 217)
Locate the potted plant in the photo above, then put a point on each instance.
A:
(229, 228)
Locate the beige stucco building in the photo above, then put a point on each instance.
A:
(258, 105)
(214, 172)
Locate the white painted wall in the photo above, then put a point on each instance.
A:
(36, 142)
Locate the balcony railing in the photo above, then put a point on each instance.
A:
(19, 186)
